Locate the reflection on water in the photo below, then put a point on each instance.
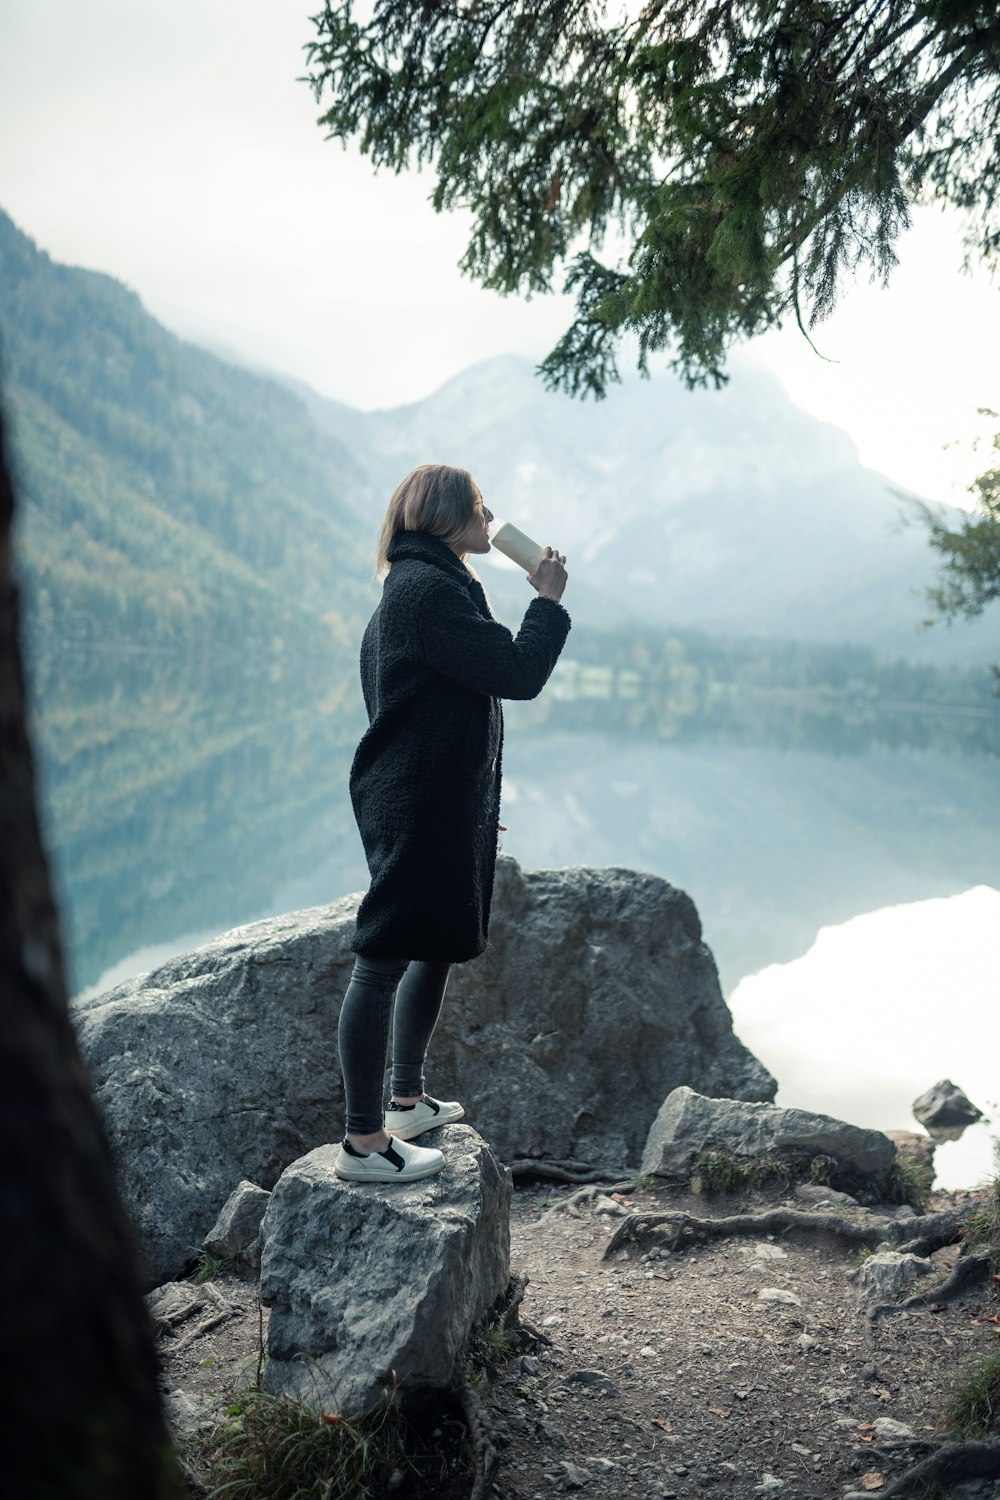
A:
(881, 1008)
(182, 801)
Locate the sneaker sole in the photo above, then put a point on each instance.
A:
(391, 1176)
(403, 1134)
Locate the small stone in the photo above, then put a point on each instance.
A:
(778, 1294)
(886, 1429)
(882, 1276)
(647, 1352)
(529, 1364)
(568, 1476)
(760, 1250)
(594, 1380)
(818, 1196)
(806, 1342)
(770, 1484)
(552, 1320)
(550, 1433)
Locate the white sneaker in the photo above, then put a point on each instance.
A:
(401, 1162)
(404, 1121)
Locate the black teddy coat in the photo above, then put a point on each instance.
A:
(425, 782)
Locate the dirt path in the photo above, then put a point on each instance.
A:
(736, 1367)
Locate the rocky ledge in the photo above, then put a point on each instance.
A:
(596, 998)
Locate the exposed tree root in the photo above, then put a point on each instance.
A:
(205, 1326)
(563, 1171)
(929, 1233)
(585, 1195)
(510, 1317)
(535, 1334)
(966, 1272)
(950, 1464)
(932, 1231)
(774, 1221)
(484, 1446)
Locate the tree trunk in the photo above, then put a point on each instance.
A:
(80, 1418)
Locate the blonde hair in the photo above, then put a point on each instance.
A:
(434, 498)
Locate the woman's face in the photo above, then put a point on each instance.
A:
(475, 537)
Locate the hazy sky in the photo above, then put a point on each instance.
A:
(171, 146)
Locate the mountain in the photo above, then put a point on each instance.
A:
(171, 499)
(733, 512)
(167, 499)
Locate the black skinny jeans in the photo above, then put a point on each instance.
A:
(363, 1034)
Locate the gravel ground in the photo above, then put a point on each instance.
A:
(736, 1367)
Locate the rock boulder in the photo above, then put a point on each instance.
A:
(235, 1235)
(945, 1107)
(690, 1126)
(596, 997)
(370, 1285)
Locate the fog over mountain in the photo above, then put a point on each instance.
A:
(172, 498)
(732, 511)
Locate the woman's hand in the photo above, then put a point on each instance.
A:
(549, 578)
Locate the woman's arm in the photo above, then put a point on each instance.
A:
(482, 654)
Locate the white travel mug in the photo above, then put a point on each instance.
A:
(515, 545)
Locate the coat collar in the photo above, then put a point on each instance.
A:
(423, 547)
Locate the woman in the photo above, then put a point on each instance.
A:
(425, 785)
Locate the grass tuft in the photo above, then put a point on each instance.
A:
(271, 1448)
(911, 1183)
(498, 1342)
(207, 1267)
(982, 1228)
(719, 1172)
(973, 1406)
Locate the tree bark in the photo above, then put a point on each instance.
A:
(81, 1416)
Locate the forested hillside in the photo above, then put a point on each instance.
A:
(168, 499)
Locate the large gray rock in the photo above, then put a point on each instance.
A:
(596, 998)
(689, 1126)
(370, 1285)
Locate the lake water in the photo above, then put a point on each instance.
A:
(847, 875)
